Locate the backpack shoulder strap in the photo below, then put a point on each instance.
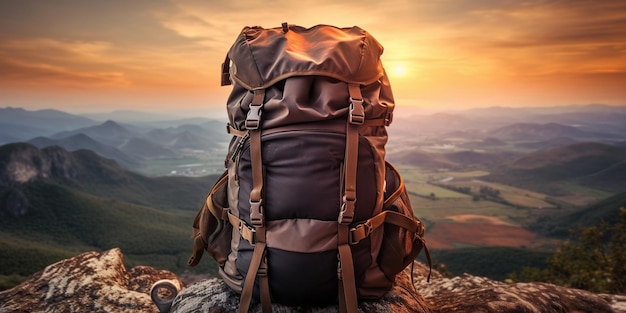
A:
(258, 264)
(347, 284)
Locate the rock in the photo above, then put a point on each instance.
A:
(99, 282)
(466, 293)
(90, 282)
(23, 162)
(469, 293)
(214, 295)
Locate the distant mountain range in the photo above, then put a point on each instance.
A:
(128, 144)
(533, 132)
(591, 120)
(17, 124)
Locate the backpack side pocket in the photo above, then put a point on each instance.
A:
(403, 237)
(211, 230)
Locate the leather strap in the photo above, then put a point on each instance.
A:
(258, 264)
(235, 132)
(248, 286)
(363, 230)
(356, 116)
(248, 233)
(347, 285)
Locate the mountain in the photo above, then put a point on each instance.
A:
(153, 119)
(533, 132)
(17, 124)
(454, 160)
(146, 149)
(190, 136)
(189, 140)
(430, 123)
(85, 171)
(109, 132)
(128, 116)
(55, 203)
(576, 161)
(82, 141)
(12, 132)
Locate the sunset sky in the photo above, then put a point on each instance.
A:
(164, 55)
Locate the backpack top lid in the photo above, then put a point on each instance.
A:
(262, 57)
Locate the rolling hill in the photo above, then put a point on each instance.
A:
(453, 160)
(586, 161)
(559, 224)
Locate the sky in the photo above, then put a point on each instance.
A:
(85, 56)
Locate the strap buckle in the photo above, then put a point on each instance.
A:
(360, 232)
(244, 230)
(256, 213)
(253, 118)
(346, 215)
(357, 113)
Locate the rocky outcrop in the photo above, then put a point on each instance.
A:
(90, 282)
(22, 162)
(99, 282)
(469, 293)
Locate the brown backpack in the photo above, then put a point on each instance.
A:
(308, 211)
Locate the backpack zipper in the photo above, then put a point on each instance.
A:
(239, 147)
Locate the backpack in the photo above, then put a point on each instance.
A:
(308, 211)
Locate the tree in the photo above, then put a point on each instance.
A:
(595, 260)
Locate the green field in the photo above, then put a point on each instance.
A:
(447, 202)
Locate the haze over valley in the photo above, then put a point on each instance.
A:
(499, 184)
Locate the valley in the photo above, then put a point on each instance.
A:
(497, 189)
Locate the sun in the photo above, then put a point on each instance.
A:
(399, 71)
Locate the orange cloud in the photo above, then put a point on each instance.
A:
(451, 53)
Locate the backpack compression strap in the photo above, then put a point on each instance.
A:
(258, 264)
(345, 271)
